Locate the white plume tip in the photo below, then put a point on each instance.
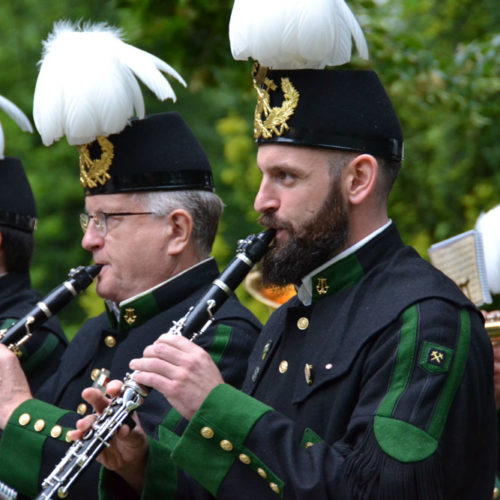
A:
(88, 83)
(295, 34)
(18, 116)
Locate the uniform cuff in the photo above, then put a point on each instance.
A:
(214, 438)
(161, 473)
(21, 446)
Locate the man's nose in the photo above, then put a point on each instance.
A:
(92, 238)
(266, 199)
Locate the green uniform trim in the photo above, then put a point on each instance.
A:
(7, 323)
(452, 382)
(341, 275)
(310, 437)
(404, 362)
(230, 415)
(220, 343)
(41, 355)
(161, 472)
(142, 309)
(401, 440)
(18, 440)
(263, 471)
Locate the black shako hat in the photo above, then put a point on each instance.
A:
(340, 109)
(17, 204)
(159, 152)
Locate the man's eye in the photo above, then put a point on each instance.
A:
(286, 176)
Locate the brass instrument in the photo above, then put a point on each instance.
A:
(197, 319)
(273, 295)
(22, 330)
(492, 326)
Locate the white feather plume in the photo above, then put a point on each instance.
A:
(295, 34)
(488, 225)
(87, 83)
(17, 115)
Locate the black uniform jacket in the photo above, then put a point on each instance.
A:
(380, 389)
(101, 344)
(42, 352)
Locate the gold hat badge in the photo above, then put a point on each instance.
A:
(272, 120)
(94, 171)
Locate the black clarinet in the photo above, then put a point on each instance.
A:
(22, 330)
(198, 318)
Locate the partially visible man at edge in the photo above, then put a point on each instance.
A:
(375, 382)
(18, 218)
(150, 222)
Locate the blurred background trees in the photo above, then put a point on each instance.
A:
(439, 61)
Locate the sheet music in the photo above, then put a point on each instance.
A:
(461, 258)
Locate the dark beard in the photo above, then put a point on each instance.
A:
(317, 241)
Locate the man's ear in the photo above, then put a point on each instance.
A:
(180, 227)
(360, 178)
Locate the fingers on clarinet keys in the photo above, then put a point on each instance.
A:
(130, 422)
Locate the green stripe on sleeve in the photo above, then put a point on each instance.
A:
(457, 368)
(220, 343)
(40, 356)
(404, 362)
(401, 440)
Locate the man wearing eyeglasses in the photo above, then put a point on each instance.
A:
(150, 220)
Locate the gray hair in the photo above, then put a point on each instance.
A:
(204, 207)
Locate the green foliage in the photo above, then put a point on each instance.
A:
(438, 59)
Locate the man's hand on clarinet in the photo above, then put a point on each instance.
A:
(180, 370)
(128, 450)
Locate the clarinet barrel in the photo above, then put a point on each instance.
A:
(78, 280)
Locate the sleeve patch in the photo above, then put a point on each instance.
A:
(435, 358)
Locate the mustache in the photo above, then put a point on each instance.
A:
(272, 221)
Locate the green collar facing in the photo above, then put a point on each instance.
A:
(339, 276)
(135, 312)
(348, 271)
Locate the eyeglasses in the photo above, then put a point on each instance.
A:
(101, 220)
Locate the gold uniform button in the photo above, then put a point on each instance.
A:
(56, 431)
(245, 459)
(39, 425)
(94, 374)
(262, 473)
(274, 487)
(302, 323)
(207, 433)
(283, 366)
(67, 437)
(110, 341)
(496, 492)
(24, 419)
(309, 444)
(81, 409)
(226, 445)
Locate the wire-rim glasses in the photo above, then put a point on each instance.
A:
(101, 219)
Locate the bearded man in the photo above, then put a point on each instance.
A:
(375, 381)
